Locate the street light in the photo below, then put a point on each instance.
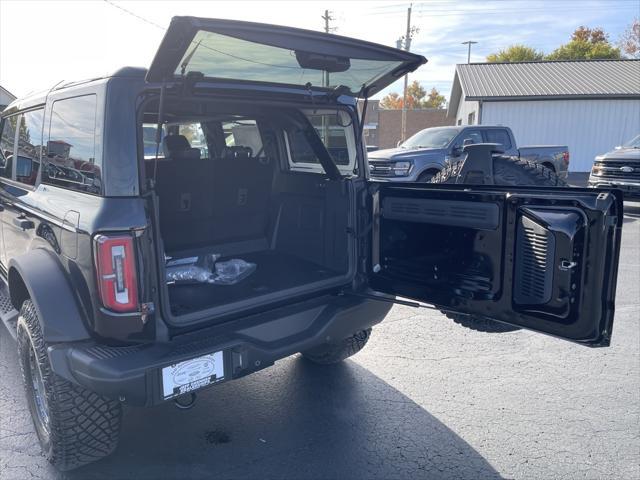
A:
(469, 43)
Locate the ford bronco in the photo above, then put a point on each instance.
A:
(165, 230)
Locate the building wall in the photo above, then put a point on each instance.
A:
(466, 108)
(587, 127)
(390, 123)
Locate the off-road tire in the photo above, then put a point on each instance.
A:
(506, 171)
(82, 426)
(330, 353)
(425, 177)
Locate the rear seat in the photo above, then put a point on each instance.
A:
(241, 192)
(184, 181)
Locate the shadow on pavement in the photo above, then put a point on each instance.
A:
(632, 209)
(294, 421)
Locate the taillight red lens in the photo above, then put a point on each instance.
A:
(565, 157)
(116, 269)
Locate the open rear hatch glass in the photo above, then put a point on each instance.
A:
(253, 52)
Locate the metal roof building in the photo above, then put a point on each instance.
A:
(591, 106)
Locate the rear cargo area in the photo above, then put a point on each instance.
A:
(238, 199)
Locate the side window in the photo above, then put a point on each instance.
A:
(336, 132)
(30, 147)
(7, 145)
(469, 137)
(71, 149)
(195, 136)
(499, 136)
(244, 133)
(149, 141)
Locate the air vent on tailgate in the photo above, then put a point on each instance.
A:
(442, 212)
(534, 263)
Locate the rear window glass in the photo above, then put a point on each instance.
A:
(71, 147)
(222, 56)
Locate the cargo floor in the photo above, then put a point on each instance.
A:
(274, 272)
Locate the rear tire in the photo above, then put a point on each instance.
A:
(74, 425)
(506, 171)
(330, 353)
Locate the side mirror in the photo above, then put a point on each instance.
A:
(467, 141)
(456, 151)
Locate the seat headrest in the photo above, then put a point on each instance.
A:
(236, 153)
(178, 147)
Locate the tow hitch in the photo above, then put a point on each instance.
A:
(186, 401)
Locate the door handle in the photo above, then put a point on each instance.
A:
(23, 223)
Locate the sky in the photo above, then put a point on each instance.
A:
(44, 42)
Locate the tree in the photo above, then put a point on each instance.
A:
(392, 101)
(435, 100)
(516, 53)
(415, 95)
(586, 44)
(416, 98)
(629, 42)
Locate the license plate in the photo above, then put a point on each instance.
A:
(192, 374)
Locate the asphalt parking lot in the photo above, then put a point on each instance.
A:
(425, 399)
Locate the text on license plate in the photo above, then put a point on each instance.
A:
(192, 374)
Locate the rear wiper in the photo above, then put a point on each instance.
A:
(187, 59)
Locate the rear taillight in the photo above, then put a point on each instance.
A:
(565, 157)
(116, 269)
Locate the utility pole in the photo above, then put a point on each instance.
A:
(469, 43)
(407, 46)
(325, 78)
(327, 29)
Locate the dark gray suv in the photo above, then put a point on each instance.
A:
(165, 230)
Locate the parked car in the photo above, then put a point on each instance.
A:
(426, 153)
(180, 271)
(619, 168)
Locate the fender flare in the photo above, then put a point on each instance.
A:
(49, 290)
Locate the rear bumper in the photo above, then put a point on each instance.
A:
(133, 374)
(630, 189)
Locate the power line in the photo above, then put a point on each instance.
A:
(129, 12)
(501, 11)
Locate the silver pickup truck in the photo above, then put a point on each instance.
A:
(427, 152)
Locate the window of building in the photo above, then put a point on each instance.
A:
(471, 119)
(71, 149)
(499, 136)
